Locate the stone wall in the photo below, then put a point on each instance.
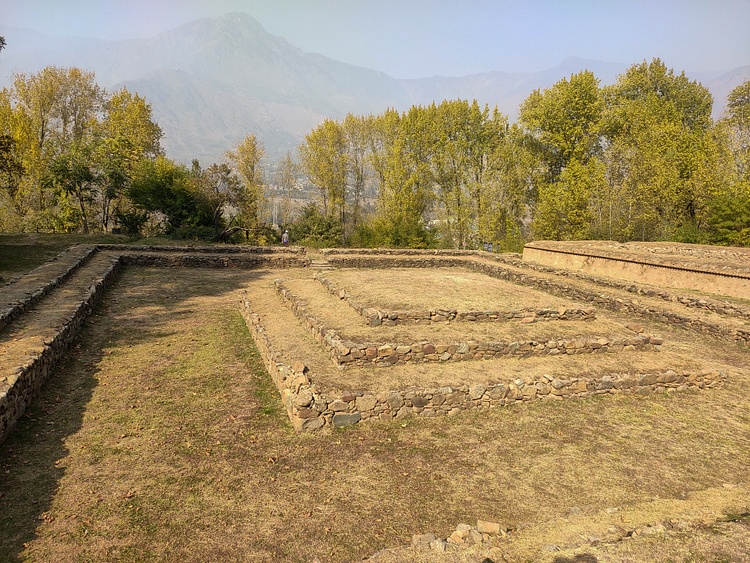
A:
(216, 249)
(18, 391)
(240, 261)
(80, 256)
(732, 282)
(310, 408)
(345, 352)
(720, 307)
(378, 317)
(555, 287)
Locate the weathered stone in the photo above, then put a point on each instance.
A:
(422, 539)
(303, 399)
(342, 419)
(385, 350)
(310, 424)
(395, 401)
(338, 406)
(419, 401)
(366, 403)
(485, 527)
(476, 391)
(438, 546)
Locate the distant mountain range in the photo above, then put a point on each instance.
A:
(212, 81)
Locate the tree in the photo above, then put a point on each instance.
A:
(737, 122)
(356, 131)
(162, 186)
(325, 163)
(71, 172)
(660, 154)
(2, 43)
(566, 122)
(245, 160)
(286, 179)
(53, 117)
(222, 189)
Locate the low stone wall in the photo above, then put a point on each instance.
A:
(555, 287)
(719, 307)
(304, 404)
(378, 317)
(732, 282)
(309, 408)
(344, 352)
(218, 249)
(33, 295)
(18, 390)
(207, 260)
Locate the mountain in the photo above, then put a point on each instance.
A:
(212, 81)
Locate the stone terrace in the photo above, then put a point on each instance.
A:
(42, 311)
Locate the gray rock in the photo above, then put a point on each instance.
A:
(345, 419)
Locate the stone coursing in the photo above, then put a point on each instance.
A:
(720, 307)
(69, 261)
(18, 390)
(309, 408)
(555, 287)
(665, 258)
(304, 404)
(379, 317)
(347, 352)
(514, 259)
(219, 249)
(207, 260)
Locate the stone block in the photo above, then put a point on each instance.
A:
(345, 419)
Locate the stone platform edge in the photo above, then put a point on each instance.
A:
(309, 408)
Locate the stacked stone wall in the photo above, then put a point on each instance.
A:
(207, 260)
(18, 390)
(347, 352)
(378, 317)
(191, 249)
(555, 287)
(310, 408)
(13, 310)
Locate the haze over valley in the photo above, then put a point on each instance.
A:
(214, 80)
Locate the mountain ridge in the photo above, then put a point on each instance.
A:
(214, 80)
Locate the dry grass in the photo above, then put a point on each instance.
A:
(409, 289)
(336, 314)
(162, 439)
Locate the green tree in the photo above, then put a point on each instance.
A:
(286, 179)
(71, 173)
(325, 162)
(53, 117)
(566, 121)
(313, 228)
(660, 153)
(162, 186)
(245, 160)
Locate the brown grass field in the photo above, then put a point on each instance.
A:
(162, 438)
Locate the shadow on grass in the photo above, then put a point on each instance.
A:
(32, 459)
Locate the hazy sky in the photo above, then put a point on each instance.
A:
(415, 38)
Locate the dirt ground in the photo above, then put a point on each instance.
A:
(162, 439)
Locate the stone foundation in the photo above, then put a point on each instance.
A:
(309, 408)
(345, 352)
(18, 391)
(555, 287)
(379, 317)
